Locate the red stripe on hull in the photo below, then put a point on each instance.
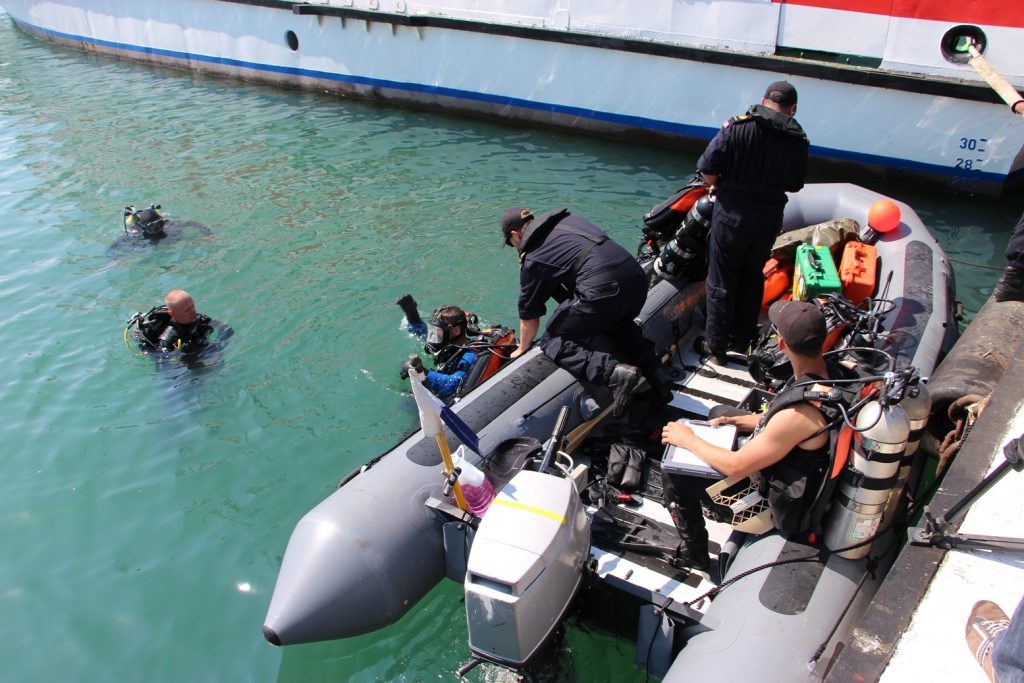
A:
(984, 12)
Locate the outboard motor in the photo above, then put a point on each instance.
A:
(527, 562)
(685, 255)
(869, 477)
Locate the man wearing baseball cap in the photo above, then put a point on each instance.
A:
(791, 440)
(600, 289)
(753, 161)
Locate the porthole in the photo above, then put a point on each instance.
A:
(292, 40)
(956, 41)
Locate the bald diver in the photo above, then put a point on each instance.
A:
(145, 228)
(176, 330)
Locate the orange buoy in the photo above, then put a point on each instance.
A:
(884, 216)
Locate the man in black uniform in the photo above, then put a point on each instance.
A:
(752, 162)
(1011, 285)
(600, 289)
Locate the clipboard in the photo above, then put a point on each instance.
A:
(684, 461)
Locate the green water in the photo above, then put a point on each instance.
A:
(143, 517)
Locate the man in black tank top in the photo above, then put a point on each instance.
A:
(789, 441)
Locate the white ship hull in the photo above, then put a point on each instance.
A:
(661, 70)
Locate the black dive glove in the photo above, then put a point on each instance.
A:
(413, 362)
(408, 305)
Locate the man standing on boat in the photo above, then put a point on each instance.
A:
(600, 288)
(1011, 285)
(752, 162)
(790, 447)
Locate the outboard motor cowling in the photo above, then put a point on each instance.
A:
(525, 566)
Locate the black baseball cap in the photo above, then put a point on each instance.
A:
(514, 219)
(801, 324)
(782, 93)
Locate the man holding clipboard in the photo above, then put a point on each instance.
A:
(789, 447)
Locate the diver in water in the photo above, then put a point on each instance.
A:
(176, 327)
(464, 355)
(146, 227)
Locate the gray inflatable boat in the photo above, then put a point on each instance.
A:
(350, 568)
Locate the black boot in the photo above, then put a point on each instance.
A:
(660, 384)
(693, 550)
(408, 306)
(623, 380)
(1011, 285)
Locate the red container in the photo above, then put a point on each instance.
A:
(858, 271)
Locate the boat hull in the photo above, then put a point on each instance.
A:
(599, 78)
(354, 565)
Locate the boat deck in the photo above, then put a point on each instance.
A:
(963, 578)
(699, 386)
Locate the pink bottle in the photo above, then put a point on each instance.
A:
(476, 488)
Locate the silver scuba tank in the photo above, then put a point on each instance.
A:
(918, 405)
(870, 475)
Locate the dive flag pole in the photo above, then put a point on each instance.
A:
(430, 409)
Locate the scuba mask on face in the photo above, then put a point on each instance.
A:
(439, 331)
(150, 221)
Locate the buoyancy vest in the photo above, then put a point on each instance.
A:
(799, 487)
(493, 348)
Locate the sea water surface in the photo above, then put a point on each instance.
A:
(144, 514)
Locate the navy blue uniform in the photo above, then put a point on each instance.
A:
(758, 157)
(597, 302)
(1015, 247)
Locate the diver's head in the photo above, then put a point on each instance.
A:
(447, 326)
(150, 221)
(181, 307)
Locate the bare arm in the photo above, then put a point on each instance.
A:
(744, 423)
(783, 432)
(710, 178)
(527, 333)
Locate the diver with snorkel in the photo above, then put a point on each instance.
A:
(464, 354)
(148, 226)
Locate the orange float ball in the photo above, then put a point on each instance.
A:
(884, 215)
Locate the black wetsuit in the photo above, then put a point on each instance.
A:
(600, 288)
(758, 157)
(159, 333)
(137, 240)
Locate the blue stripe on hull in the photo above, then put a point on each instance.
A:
(683, 130)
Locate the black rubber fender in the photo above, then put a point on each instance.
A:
(977, 361)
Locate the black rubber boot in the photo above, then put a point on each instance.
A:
(660, 384)
(408, 306)
(1011, 285)
(693, 550)
(702, 347)
(623, 380)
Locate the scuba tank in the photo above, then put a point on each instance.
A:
(869, 477)
(918, 405)
(685, 255)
